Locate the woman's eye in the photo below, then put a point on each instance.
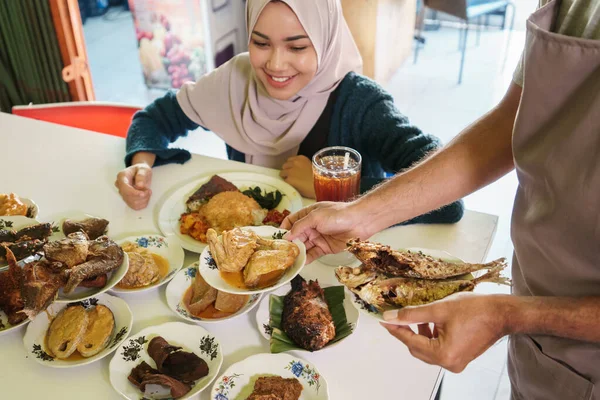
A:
(299, 48)
(260, 44)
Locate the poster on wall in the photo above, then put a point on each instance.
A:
(181, 40)
(171, 41)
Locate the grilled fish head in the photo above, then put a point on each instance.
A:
(354, 277)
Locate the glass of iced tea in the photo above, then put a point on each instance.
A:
(336, 172)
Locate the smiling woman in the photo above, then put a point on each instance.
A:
(297, 91)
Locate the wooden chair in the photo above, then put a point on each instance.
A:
(466, 10)
(108, 118)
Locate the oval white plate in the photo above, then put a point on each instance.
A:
(6, 328)
(167, 248)
(35, 336)
(31, 206)
(172, 205)
(238, 381)
(191, 338)
(263, 316)
(81, 293)
(371, 311)
(180, 284)
(211, 273)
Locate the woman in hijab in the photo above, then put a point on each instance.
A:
(296, 91)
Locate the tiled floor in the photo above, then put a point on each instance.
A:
(427, 92)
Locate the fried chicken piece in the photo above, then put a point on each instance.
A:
(229, 210)
(273, 258)
(232, 249)
(72, 250)
(104, 256)
(306, 318)
(143, 269)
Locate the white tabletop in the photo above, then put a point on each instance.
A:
(65, 169)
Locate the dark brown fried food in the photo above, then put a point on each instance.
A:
(138, 374)
(39, 231)
(181, 365)
(104, 256)
(72, 250)
(214, 186)
(22, 249)
(178, 389)
(7, 236)
(93, 227)
(276, 387)
(306, 317)
(97, 282)
(40, 286)
(159, 349)
(11, 301)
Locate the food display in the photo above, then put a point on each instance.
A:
(175, 374)
(389, 279)
(220, 205)
(246, 260)
(276, 387)
(79, 331)
(145, 267)
(11, 205)
(23, 242)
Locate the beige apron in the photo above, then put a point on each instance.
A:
(556, 219)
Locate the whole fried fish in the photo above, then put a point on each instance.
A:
(383, 292)
(306, 317)
(11, 301)
(410, 264)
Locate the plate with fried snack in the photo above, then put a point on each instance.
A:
(153, 261)
(172, 360)
(250, 260)
(191, 298)
(79, 333)
(223, 202)
(271, 376)
(12, 205)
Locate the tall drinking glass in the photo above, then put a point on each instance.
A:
(336, 172)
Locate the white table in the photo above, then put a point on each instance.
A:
(66, 169)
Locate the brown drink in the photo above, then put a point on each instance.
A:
(336, 172)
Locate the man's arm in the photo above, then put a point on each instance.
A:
(480, 155)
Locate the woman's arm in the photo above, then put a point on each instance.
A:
(154, 128)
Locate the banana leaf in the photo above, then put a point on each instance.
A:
(334, 296)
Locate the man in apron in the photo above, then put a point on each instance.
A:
(553, 317)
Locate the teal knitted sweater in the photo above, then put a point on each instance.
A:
(361, 115)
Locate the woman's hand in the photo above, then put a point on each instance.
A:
(134, 182)
(297, 171)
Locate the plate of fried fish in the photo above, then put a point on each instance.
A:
(390, 279)
(168, 361)
(22, 236)
(191, 298)
(250, 260)
(153, 261)
(304, 316)
(74, 334)
(271, 376)
(223, 202)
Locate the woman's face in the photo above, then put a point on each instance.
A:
(281, 53)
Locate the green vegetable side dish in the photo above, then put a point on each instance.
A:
(280, 342)
(268, 200)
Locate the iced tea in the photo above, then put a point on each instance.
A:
(336, 173)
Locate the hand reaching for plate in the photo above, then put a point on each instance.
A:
(134, 185)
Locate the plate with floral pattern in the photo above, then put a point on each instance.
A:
(170, 258)
(177, 290)
(192, 338)
(238, 381)
(35, 336)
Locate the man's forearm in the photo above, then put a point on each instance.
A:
(481, 154)
(568, 317)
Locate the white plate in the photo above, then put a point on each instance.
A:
(167, 248)
(238, 381)
(211, 273)
(15, 223)
(30, 204)
(180, 284)
(371, 311)
(35, 336)
(172, 205)
(191, 338)
(6, 328)
(263, 315)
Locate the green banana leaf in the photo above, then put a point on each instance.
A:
(334, 296)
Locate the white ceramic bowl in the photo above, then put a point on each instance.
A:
(35, 336)
(191, 338)
(181, 283)
(211, 273)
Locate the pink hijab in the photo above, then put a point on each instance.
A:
(232, 102)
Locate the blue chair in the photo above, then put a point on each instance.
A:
(466, 10)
